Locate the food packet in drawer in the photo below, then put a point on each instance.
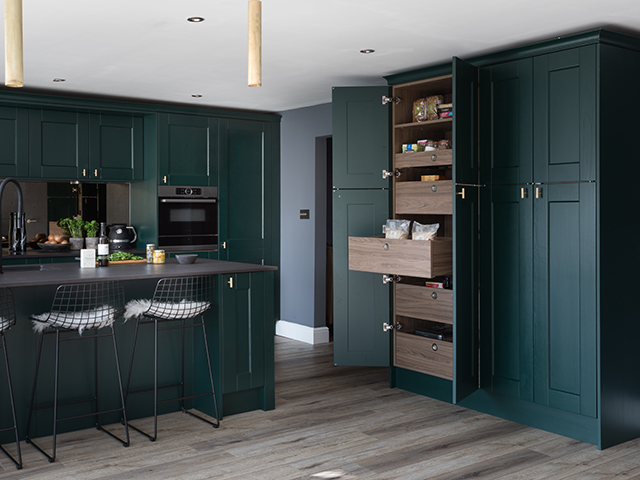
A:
(397, 229)
(424, 232)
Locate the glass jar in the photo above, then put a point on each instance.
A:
(150, 248)
(158, 256)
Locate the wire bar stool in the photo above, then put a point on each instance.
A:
(174, 299)
(79, 307)
(7, 320)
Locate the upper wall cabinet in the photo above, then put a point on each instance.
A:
(115, 147)
(14, 142)
(81, 146)
(58, 145)
(187, 150)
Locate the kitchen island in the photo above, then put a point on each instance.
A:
(240, 331)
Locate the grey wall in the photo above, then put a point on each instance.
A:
(300, 275)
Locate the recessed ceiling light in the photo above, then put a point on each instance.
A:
(195, 19)
(367, 51)
(196, 95)
(59, 80)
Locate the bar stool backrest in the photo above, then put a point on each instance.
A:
(7, 309)
(86, 305)
(181, 297)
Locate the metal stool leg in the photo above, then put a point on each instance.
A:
(122, 399)
(18, 462)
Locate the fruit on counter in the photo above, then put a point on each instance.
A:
(122, 256)
(39, 238)
(56, 239)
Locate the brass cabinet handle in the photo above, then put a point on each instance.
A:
(224, 245)
(523, 192)
(538, 192)
(164, 179)
(95, 172)
(462, 193)
(230, 282)
(84, 172)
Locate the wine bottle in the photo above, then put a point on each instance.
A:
(103, 246)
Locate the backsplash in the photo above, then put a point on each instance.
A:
(37, 204)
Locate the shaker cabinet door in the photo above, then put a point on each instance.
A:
(115, 147)
(58, 145)
(14, 142)
(361, 301)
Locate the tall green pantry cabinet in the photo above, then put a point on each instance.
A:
(544, 256)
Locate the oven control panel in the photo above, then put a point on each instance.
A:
(166, 191)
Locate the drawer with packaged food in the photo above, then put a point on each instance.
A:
(415, 258)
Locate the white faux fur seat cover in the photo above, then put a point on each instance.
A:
(96, 318)
(164, 310)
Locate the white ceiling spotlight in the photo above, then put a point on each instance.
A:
(255, 43)
(13, 71)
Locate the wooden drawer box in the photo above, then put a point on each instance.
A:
(414, 258)
(425, 355)
(424, 159)
(430, 198)
(434, 304)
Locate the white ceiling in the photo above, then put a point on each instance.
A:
(146, 50)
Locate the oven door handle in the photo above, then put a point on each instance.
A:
(188, 200)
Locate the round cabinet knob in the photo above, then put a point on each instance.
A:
(434, 157)
(434, 188)
(434, 347)
(434, 295)
(386, 246)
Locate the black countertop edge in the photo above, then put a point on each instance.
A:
(66, 273)
(31, 253)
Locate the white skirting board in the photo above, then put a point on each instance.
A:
(302, 333)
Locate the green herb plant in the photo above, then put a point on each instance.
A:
(72, 226)
(91, 228)
(122, 256)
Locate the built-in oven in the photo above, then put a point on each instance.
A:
(188, 217)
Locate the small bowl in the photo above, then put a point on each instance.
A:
(186, 259)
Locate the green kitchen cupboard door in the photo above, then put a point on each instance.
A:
(506, 123)
(465, 229)
(187, 150)
(14, 142)
(115, 147)
(58, 145)
(245, 191)
(361, 137)
(565, 112)
(506, 302)
(243, 330)
(565, 297)
(361, 301)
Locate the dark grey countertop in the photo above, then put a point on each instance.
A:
(31, 253)
(64, 273)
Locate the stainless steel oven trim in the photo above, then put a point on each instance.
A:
(189, 200)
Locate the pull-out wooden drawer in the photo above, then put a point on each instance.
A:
(413, 258)
(428, 198)
(435, 304)
(431, 158)
(425, 355)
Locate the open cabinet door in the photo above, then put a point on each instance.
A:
(361, 302)
(465, 229)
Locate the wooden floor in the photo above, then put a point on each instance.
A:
(333, 423)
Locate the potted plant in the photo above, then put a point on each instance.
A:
(92, 228)
(75, 228)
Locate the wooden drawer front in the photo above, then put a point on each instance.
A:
(414, 258)
(417, 353)
(420, 197)
(424, 159)
(435, 304)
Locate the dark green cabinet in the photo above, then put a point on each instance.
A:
(115, 147)
(245, 191)
(247, 330)
(187, 150)
(58, 145)
(362, 303)
(67, 145)
(14, 142)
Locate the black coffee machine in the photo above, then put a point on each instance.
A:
(122, 237)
